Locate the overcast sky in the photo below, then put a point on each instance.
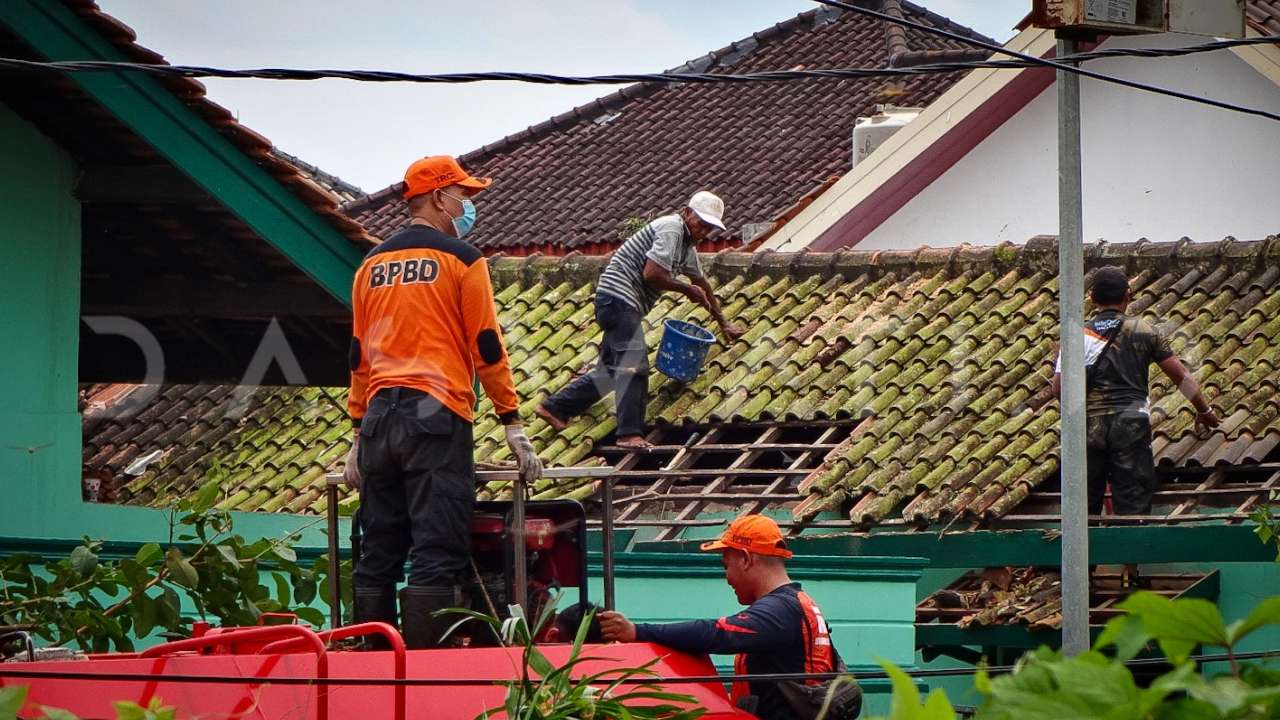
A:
(367, 133)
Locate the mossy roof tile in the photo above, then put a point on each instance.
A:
(942, 354)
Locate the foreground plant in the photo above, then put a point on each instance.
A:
(1047, 685)
(98, 604)
(554, 694)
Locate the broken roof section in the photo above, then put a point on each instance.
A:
(575, 181)
(920, 361)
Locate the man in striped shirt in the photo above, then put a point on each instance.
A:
(648, 264)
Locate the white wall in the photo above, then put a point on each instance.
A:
(1153, 166)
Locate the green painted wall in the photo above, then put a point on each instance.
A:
(39, 318)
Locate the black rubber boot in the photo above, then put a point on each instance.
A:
(375, 604)
(418, 605)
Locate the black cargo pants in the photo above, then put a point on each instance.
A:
(623, 368)
(1119, 452)
(417, 491)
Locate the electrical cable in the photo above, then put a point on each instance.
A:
(1056, 64)
(197, 71)
(1021, 61)
(7, 670)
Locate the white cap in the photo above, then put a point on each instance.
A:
(709, 207)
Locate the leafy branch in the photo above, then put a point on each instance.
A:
(103, 604)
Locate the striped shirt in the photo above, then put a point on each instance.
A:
(664, 241)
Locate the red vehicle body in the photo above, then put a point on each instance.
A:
(270, 672)
(260, 655)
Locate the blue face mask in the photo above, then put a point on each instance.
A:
(462, 225)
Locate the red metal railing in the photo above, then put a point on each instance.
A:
(289, 633)
(349, 631)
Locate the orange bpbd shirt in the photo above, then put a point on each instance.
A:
(424, 318)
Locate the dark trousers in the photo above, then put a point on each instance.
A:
(417, 491)
(1119, 452)
(623, 369)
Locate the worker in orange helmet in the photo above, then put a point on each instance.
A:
(424, 325)
(781, 630)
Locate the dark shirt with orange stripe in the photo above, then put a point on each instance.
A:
(424, 318)
(782, 632)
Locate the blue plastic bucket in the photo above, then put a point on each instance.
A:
(683, 349)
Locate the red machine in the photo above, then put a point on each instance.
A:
(297, 654)
(280, 671)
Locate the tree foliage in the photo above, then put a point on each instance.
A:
(204, 572)
(1098, 685)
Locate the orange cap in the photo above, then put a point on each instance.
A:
(757, 534)
(437, 171)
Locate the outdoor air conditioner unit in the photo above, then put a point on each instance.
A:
(1216, 18)
(870, 132)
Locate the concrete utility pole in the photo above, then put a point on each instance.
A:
(1075, 512)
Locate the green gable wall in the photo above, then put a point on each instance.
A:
(39, 317)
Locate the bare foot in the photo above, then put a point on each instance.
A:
(552, 420)
(634, 442)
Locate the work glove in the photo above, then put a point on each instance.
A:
(351, 473)
(527, 461)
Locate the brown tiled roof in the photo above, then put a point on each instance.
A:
(571, 182)
(339, 188)
(930, 354)
(192, 93)
(1264, 15)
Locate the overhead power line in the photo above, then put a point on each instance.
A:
(198, 71)
(1055, 64)
(1020, 61)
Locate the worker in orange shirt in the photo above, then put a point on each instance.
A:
(424, 325)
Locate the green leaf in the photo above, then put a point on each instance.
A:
(180, 569)
(906, 698)
(128, 710)
(11, 700)
(149, 555)
(228, 553)
(135, 574)
(1187, 709)
(145, 613)
(249, 607)
(284, 552)
(1226, 693)
(206, 496)
(538, 661)
(83, 561)
(1179, 625)
(282, 589)
(310, 615)
(1127, 634)
(172, 605)
(304, 590)
(1265, 613)
(937, 707)
(53, 713)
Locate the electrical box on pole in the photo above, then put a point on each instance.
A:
(1216, 18)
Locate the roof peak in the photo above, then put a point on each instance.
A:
(1038, 253)
(602, 106)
